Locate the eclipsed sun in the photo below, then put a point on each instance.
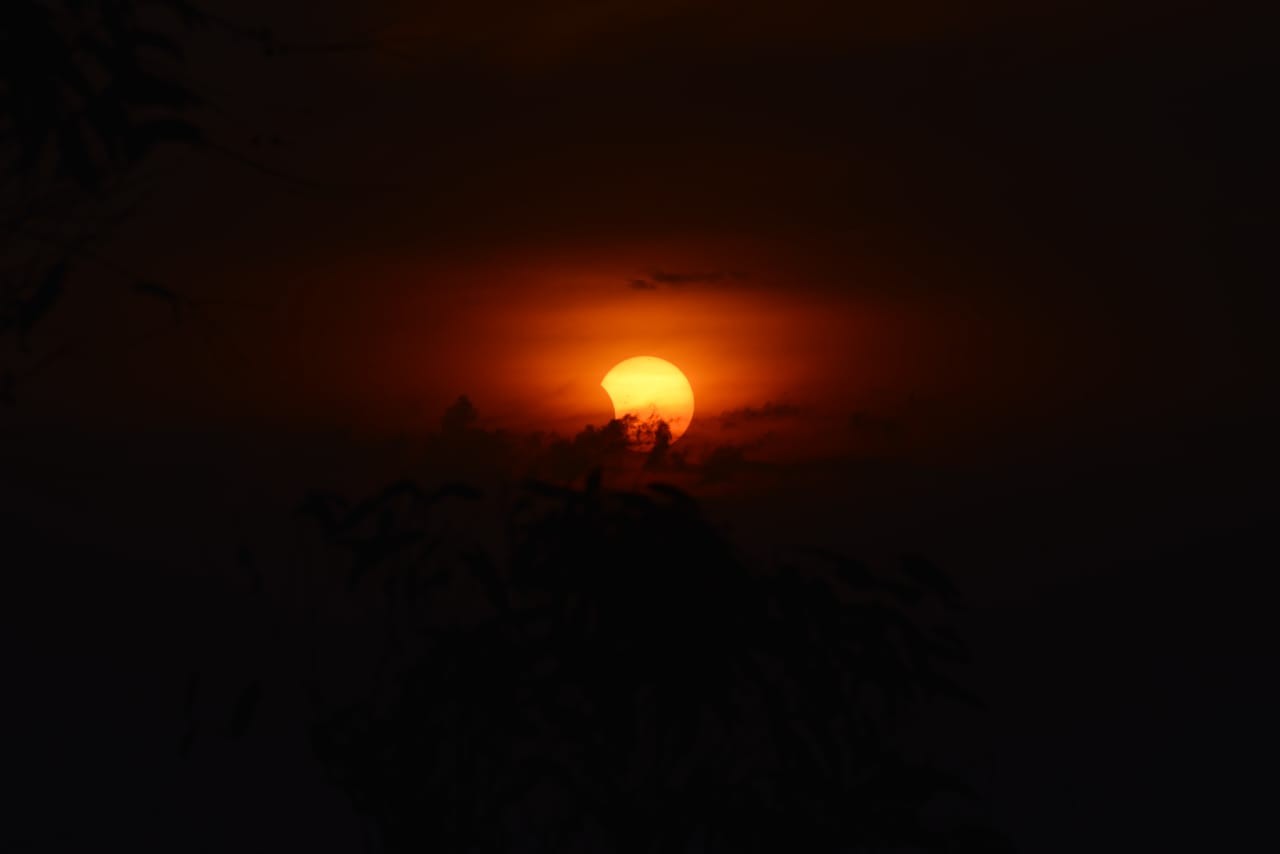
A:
(646, 392)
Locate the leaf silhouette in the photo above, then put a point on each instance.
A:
(657, 702)
(246, 560)
(166, 295)
(193, 688)
(925, 573)
(325, 509)
(245, 708)
(188, 741)
(35, 308)
(370, 552)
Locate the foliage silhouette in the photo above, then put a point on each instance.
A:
(624, 681)
(459, 417)
(89, 89)
(661, 445)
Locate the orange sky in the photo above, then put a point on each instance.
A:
(956, 231)
(528, 339)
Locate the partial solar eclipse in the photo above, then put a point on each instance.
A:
(645, 391)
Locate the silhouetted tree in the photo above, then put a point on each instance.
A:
(623, 681)
(88, 89)
(661, 445)
(459, 417)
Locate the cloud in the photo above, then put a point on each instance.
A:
(770, 411)
(666, 278)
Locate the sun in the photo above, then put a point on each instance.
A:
(647, 391)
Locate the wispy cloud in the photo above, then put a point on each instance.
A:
(669, 279)
(770, 411)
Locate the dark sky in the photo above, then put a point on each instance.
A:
(1005, 272)
(1055, 215)
(1030, 243)
(1092, 160)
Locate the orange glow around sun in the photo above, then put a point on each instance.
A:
(647, 391)
(529, 334)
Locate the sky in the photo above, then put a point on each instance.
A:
(1001, 215)
(993, 280)
(1018, 260)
